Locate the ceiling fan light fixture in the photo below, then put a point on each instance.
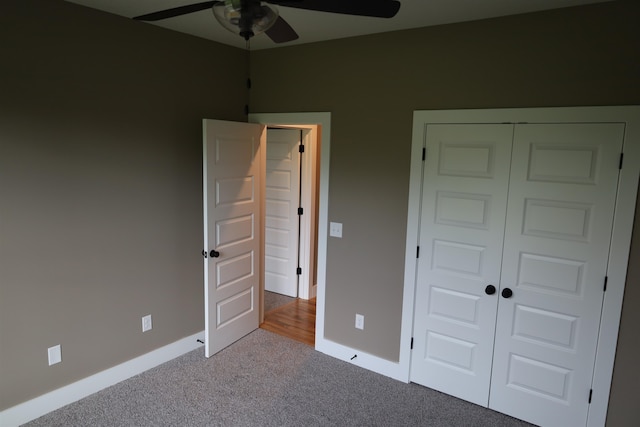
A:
(245, 17)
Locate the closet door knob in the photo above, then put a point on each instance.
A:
(490, 290)
(214, 253)
(507, 293)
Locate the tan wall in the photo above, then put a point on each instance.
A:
(623, 403)
(100, 187)
(100, 174)
(371, 85)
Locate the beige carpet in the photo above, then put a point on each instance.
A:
(268, 380)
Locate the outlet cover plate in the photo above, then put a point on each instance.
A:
(146, 323)
(335, 229)
(55, 354)
(359, 321)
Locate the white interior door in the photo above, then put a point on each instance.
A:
(281, 218)
(464, 202)
(232, 230)
(561, 204)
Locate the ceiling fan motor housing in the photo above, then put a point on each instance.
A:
(245, 17)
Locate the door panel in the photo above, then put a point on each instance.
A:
(282, 202)
(464, 203)
(232, 191)
(560, 212)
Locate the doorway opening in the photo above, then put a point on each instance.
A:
(298, 315)
(290, 232)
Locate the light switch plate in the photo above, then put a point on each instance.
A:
(335, 229)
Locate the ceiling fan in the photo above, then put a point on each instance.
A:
(251, 17)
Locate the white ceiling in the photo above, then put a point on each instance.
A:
(314, 26)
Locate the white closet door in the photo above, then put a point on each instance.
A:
(462, 223)
(561, 203)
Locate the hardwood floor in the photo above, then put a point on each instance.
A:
(295, 320)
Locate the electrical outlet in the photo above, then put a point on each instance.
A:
(335, 229)
(146, 323)
(359, 321)
(55, 354)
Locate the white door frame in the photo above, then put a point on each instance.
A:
(621, 234)
(320, 126)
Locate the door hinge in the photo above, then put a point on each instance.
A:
(301, 148)
(418, 252)
(299, 271)
(424, 153)
(300, 211)
(411, 343)
(248, 83)
(621, 157)
(606, 279)
(246, 109)
(590, 395)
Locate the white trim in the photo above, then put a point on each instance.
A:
(324, 121)
(41, 405)
(308, 203)
(205, 228)
(618, 262)
(413, 227)
(621, 235)
(360, 358)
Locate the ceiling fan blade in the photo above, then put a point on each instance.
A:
(374, 8)
(281, 31)
(176, 11)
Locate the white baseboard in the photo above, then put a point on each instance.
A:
(35, 408)
(365, 360)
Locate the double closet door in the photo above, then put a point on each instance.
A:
(515, 230)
